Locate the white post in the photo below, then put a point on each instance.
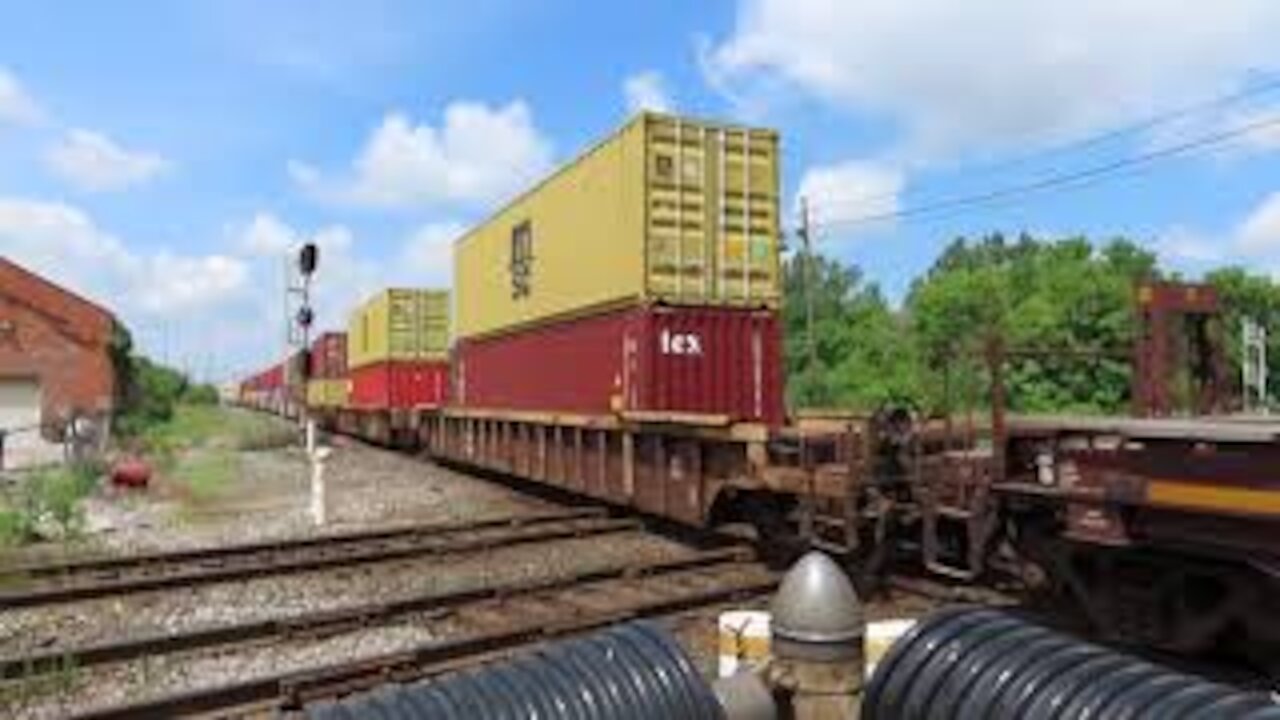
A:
(311, 437)
(318, 505)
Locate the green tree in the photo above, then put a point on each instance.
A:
(1063, 310)
(1245, 295)
(861, 355)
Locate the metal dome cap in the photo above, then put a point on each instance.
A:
(816, 604)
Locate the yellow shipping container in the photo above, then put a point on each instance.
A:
(327, 393)
(400, 324)
(667, 209)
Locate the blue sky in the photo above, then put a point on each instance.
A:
(160, 156)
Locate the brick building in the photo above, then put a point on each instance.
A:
(54, 365)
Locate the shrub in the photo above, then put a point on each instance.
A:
(202, 394)
(15, 527)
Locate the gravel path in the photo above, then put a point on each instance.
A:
(174, 612)
(83, 690)
(268, 500)
(24, 630)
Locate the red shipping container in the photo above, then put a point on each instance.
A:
(712, 361)
(329, 356)
(400, 384)
(273, 378)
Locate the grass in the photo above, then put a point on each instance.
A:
(194, 426)
(205, 473)
(196, 449)
(57, 681)
(47, 501)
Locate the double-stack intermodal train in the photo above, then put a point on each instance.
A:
(615, 332)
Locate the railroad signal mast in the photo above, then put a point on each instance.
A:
(298, 317)
(298, 335)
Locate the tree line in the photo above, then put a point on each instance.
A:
(147, 392)
(1069, 304)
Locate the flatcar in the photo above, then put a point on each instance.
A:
(614, 332)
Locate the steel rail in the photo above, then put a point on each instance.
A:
(716, 578)
(329, 622)
(120, 563)
(462, 539)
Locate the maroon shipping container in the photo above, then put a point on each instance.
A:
(273, 378)
(329, 356)
(714, 361)
(400, 384)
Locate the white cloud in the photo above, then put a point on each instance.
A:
(478, 156)
(1259, 234)
(1253, 130)
(1267, 137)
(64, 244)
(990, 74)
(266, 234)
(647, 91)
(343, 277)
(428, 253)
(94, 162)
(1184, 245)
(16, 105)
(170, 283)
(856, 188)
(304, 174)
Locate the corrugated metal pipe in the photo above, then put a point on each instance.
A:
(634, 671)
(979, 663)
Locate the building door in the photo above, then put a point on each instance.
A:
(24, 445)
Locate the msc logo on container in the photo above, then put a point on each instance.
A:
(521, 260)
(677, 343)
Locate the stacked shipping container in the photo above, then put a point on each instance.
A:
(398, 350)
(705, 361)
(328, 384)
(643, 278)
(265, 389)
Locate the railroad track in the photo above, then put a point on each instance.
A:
(487, 622)
(85, 579)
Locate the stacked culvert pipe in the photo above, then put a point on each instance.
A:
(963, 663)
(631, 672)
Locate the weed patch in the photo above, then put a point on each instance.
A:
(205, 473)
(47, 504)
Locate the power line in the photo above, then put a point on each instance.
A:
(1092, 141)
(1057, 181)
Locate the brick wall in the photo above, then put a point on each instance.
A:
(56, 336)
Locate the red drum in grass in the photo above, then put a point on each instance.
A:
(131, 472)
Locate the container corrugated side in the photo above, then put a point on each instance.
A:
(408, 324)
(666, 210)
(327, 393)
(273, 377)
(400, 384)
(679, 360)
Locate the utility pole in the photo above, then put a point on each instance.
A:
(806, 279)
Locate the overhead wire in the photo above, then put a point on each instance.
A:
(1061, 180)
(1267, 86)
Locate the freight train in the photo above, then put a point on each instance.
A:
(614, 332)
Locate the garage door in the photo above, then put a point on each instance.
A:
(19, 414)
